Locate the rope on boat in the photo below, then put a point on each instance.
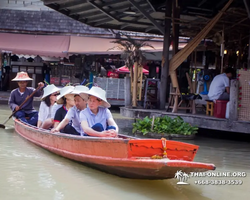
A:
(164, 154)
(164, 144)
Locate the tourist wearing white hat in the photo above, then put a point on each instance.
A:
(96, 119)
(73, 114)
(66, 100)
(27, 112)
(45, 118)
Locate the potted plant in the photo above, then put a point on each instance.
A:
(164, 127)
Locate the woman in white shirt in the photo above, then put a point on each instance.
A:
(45, 118)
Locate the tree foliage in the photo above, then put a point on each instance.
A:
(132, 49)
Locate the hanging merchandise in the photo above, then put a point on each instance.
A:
(243, 97)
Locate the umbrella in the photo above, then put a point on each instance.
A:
(124, 69)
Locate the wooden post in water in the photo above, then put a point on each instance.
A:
(222, 53)
(247, 5)
(175, 26)
(248, 59)
(135, 85)
(195, 68)
(238, 63)
(165, 55)
(127, 91)
(233, 105)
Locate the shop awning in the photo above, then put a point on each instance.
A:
(93, 45)
(42, 45)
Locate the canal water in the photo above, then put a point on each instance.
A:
(28, 172)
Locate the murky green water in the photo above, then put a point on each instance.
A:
(31, 173)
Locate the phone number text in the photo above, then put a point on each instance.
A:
(218, 182)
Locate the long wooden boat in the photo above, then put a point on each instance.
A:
(123, 156)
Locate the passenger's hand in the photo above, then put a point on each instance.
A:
(54, 130)
(113, 132)
(41, 84)
(17, 108)
(108, 133)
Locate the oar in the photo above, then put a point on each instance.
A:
(27, 98)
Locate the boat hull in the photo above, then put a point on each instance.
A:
(125, 157)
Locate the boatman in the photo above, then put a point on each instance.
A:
(26, 113)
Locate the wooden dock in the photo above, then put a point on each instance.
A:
(202, 121)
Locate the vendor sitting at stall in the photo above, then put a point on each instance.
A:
(220, 87)
(27, 112)
(96, 119)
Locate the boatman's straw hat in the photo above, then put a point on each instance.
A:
(22, 76)
(81, 91)
(100, 94)
(48, 90)
(65, 92)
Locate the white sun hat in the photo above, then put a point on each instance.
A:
(22, 76)
(49, 89)
(63, 92)
(100, 94)
(81, 91)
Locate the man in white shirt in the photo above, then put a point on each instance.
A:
(73, 114)
(220, 87)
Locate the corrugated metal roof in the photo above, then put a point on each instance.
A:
(148, 15)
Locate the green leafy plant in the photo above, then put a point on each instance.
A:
(164, 125)
(142, 125)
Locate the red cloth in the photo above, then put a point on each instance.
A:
(112, 74)
(124, 69)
